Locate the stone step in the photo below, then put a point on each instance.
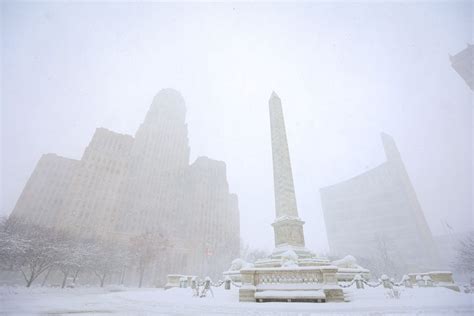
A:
(290, 296)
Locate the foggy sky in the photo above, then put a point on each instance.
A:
(345, 72)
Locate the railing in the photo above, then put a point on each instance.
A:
(388, 283)
(201, 288)
(289, 277)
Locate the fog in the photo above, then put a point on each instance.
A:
(344, 72)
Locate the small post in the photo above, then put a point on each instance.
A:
(227, 283)
(386, 282)
(207, 283)
(428, 281)
(467, 288)
(419, 281)
(406, 281)
(195, 286)
(358, 281)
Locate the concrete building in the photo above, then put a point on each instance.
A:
(124, 186)
(377, 215)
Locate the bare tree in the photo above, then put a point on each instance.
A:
(107, 260)
(252, 254)
(464, 261)
(87, 250)
(382, 261)
(144, 251)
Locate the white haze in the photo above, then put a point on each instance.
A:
(345, 72)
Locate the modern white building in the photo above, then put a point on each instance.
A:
(377, 215)
(463, 63)
(125, 186)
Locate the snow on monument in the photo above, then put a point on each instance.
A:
(292, 273)
(288, 226)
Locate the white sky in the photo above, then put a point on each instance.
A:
(345, 72)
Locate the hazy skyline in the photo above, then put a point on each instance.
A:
(344, 72)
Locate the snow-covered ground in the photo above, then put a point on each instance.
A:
(128, 301)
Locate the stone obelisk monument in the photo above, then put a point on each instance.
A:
(288, 226)
(292, 273)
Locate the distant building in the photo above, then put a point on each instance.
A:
(377, 214)
(463, 62)
(45, 193)
(125, 186)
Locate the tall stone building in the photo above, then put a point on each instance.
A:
(377, 214)
(124, 186)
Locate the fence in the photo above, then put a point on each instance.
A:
(201, 288)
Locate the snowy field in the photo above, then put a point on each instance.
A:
(128, 301)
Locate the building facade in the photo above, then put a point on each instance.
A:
(376, 215)
(124, 186)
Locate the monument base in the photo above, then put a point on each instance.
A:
(290, 284)
(291, 274)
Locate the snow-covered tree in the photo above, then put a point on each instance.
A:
(76, 255)
(12, 245)
(28, 248)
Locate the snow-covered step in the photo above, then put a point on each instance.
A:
(290, 296)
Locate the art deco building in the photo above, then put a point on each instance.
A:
(92, 198)
(379, 208)
(124, 186)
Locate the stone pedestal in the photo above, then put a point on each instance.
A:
(439, 278)
(174, 280)
(290, 284)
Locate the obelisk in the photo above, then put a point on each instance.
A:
(288, 227)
